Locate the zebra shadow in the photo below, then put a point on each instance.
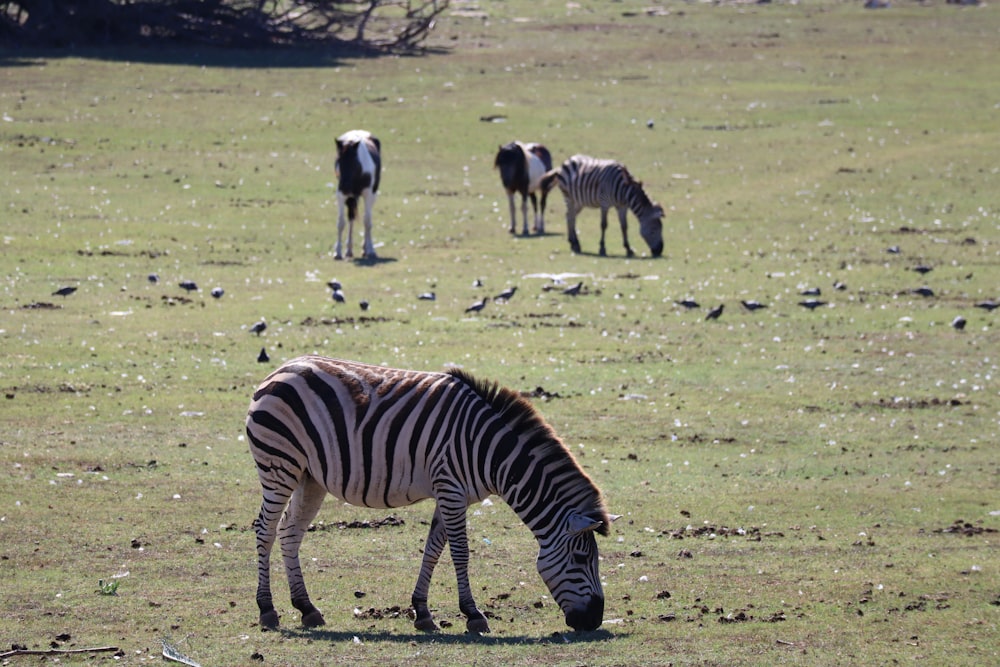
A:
(451, 638)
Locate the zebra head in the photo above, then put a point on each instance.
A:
(651, 228)
(568, 564)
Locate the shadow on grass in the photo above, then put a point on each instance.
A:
(450, 638)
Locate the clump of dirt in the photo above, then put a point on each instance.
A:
(389, 521)
(965, 528)
(372, 614)
(40, 305)
(711, 531)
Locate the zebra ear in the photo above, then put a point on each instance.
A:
(578, 524)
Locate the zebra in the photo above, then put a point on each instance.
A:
(359, 170)
(381, 437)
(587, 181)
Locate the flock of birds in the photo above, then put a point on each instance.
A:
(810, 298)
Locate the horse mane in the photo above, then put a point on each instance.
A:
(525, 420)
(509, 152)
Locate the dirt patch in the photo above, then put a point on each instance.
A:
(911, 404)
(389, 521)
(964, 528)
(711, 531)
(40, 305)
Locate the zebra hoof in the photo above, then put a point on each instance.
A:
(478, 626)
(269, 620)
(313, 619)
(426, 624)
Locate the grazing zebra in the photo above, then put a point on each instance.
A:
(522, 166)
(379, 437)
(587, 181)
(359, 169)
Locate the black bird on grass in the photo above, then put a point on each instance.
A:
(688, 303)
(262, 357)
(427, 296)
(259, 327)
(188, 285)
(988, 306)
(923, 269)
(574, 290)
(364, 304)
(506, 294)
(958, 322)
(716, 312)
(153, 278)
(477, 306)
(64, 291)
(812, 304)
(335, 285)
(217, 292)
(924, 291)
(752, 305)
(812, 291)
(338, 296)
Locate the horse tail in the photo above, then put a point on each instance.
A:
(352, 208)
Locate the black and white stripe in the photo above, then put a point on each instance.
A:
(380, 437)
(605, 184)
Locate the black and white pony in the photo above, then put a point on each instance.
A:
(522, 166)
(359, 169)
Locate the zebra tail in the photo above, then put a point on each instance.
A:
(549, 180)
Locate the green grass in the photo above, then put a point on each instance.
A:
(789, 477)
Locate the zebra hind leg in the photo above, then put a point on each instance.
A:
(302, 509)
(264, 525)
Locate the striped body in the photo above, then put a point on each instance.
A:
(605, 184)
(379, 437)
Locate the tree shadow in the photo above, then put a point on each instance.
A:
(449, 638)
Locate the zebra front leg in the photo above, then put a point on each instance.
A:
(436, 539)
(574, 243)
(302, 509)
(604, 228)
(624, 223)
(453, 516)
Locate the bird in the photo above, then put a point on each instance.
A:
(988, 306)
(335, 285)
(650, 123)
(811, 291)
(64, 291)
(840, 285)
(153, 278)
(923, 269)
(188, 285)
(506, 294)
(753, 305)
(262, 357)
(217, 292)
(338, 296)
(812, 304)
(923, 291)
(476, 307)
(688, 303)
(364, 304)
(427, 296)
(477, 282)
(958, 322)
(893, 250)
(258, 328)
(716, 312)
(573, 290)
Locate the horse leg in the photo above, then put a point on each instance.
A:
(540, 222)
(337, 254)
(513, 214)
(524, 212)
(534, 208)
(302, 509)
(436, 539)
(624, 223)
(369, 243)
(571, 211)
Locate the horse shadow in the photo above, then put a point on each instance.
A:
(458, 638)
(371, 261)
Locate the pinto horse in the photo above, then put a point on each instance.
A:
(359, 169)
(522, 166)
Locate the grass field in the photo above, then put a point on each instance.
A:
(811, 487)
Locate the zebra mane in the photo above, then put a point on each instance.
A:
(524, 419)
(642, 200)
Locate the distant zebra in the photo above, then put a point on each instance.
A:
(522, 166)
(379, 437)
(589, 182)
(359, 170)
